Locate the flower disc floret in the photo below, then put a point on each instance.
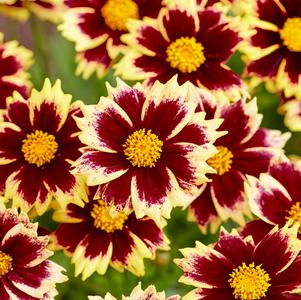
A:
(117, 12)
(185, 54)
(5, 263)
(294, 213)
(249, 282)
(143, 148)
(222, 161)
(104, 221)
(39, 147)
(291, 34)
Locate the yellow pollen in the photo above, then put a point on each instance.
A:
(142, 148)
(249, 282)
(103, 219)
(291, 34)
(117, 12)
(294, 214)
(221, 161)
(185, 54)
(5, 263)
(39, 147)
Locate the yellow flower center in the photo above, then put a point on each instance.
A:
(103, 219)
(221, 161)
(291, 34)
(117, 12)
(5, 263)
(142, 148)
(39, 147)
(294, 214)
(185, 54)
(249, 282)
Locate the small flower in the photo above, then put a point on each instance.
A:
(138, 293)
(236, 268)
(192, 43)
(138, 139)
(96, 237)
(246, 149)
(96, 27)
(25, 270)
(274, 198)
(274, 49)
(291, 108)
(14, 62)
(38, 142)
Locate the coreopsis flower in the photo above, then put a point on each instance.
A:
(38, 142)
(25, 270)
(150, 293)
(274, 48)
(274, 197)
(14, 62)
(95, 238)
(194, 44)
(291, 108)
(236, 268)
(138, 139)
(96, 27)
(246, 149)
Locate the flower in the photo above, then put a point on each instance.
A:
(96, 28)
(138, 139)
(14, 62)
(274, 197)
(38, 141)
(275, 45)
(291, 108)
(246, 149)
(138, 294)
(236, 268)
(192, 43)
(25, 270)
(50, 10)
(95, 238)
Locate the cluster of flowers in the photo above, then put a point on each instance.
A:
(188, 136)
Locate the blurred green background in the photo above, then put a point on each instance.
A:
(55, 58)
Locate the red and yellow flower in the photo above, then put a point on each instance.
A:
(14, 62)
(38, 142)
(50, 10)
(274, 198)
(138, 139)
(246, 149)
(274, 48)
(192, 43)
(138, 293)
(236, 268)
(96, 27)
(25, 270)
(96, 237)
(291, 108)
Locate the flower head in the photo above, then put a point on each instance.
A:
(274, 48)
(236, 268)
(14, 62)
(25, 270)
(192, 43)
(96, 237)
(138, 139)
(245, 149)
(38, 142)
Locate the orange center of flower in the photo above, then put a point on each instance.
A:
(249, 282)
(39, 147)
(291, 34)
(221, 161)
(117, 12)
(5, 263)
(294, 214)
(185, 54)
(103, 219)
(142, 148)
